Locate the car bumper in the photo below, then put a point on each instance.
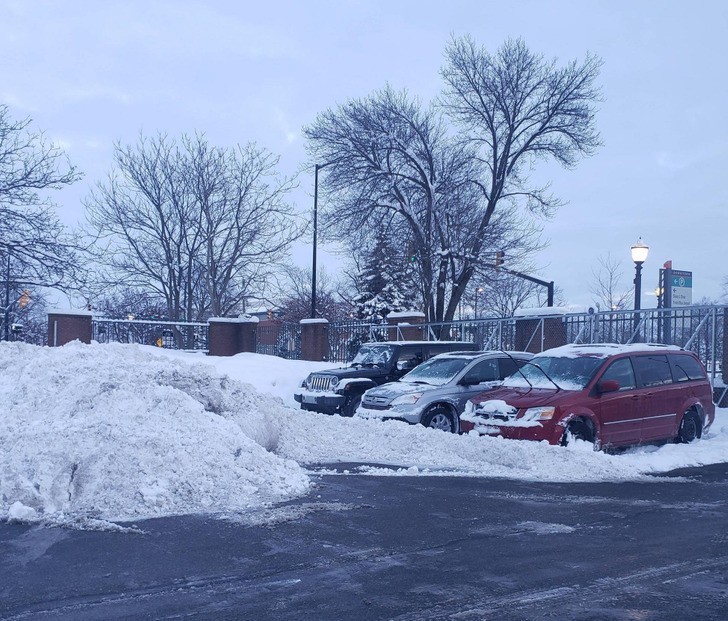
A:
(535, 431)
(409, 416)
(317, 402)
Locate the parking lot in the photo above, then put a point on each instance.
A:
(373, 547)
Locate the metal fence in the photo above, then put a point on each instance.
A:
(697, 328)
(168, 334)
(278, 338)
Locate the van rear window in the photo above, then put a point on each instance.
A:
(686, 368)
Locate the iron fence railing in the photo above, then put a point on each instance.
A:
(279, 338)
(697, 328)
(168, 334)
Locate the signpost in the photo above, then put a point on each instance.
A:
(680, 284)
(675, 290)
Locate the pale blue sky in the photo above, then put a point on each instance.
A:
(90, 73)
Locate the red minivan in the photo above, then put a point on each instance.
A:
(611, 395)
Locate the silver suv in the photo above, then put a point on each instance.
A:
(435, 393)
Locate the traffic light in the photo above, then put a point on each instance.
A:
(24, 299)
(499, 258)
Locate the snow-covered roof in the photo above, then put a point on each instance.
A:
(247, 319)
(604, 350)
(68, 311)
(400, 314)
(546, 311)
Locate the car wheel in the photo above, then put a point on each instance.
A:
(577, 430)
(689, 429)
(440, 418)
(351, 405)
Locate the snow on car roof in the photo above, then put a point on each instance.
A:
(484, 352)
(604, 350)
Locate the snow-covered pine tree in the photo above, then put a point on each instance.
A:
(384, 281)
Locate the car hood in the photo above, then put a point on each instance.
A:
(397, 389)
(349, 372)
(524, 397)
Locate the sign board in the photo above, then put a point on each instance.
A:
(681, 286)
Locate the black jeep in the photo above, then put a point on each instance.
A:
(339, 391)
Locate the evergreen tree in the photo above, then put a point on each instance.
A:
(384, 282)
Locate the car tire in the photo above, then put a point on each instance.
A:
(351, 405)
(578, 430)
(440, 417)
(689, 429)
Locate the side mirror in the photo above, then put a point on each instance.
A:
(607, 386)
(405, 365)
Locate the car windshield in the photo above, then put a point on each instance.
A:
(436, 371)
(374, 355)
(568, 373)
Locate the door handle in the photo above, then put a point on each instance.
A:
(635, 397)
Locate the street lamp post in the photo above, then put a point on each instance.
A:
(315, 233)
(478, 291)
(639, 256)
(317, 167)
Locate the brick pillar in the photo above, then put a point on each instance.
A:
(534, 336)
(315, 339)
(408, 326)
(67, 326)
(228, 336)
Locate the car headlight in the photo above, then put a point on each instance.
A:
(304, 383)
(540, 413)
(334, 382)
(407, 399)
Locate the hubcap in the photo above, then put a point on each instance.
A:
(442, 422)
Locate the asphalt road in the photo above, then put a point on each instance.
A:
(404, 548)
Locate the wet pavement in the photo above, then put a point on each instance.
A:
(398, 547)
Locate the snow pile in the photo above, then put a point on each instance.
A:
(90, 434)
(116, 433)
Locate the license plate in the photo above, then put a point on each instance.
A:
(309, 399)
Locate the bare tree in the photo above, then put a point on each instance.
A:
(503, 294)
(199, 225)
(515, 108)
(246, 224)
(31, 236)
(295, 295)
(393, 164)
(608, 289)
(390, 159)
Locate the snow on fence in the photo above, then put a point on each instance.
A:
(190, 336)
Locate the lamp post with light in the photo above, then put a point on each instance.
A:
(640, 251)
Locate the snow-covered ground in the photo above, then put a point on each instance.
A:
(91, 435)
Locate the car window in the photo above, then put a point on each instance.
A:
(374, 355)
(653, 370)
(436, 371)
(563, 372)
(410, 355)
(686, 368)
(621, 371)
(508, 366)
(483, 371)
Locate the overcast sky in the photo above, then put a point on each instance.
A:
(94, 72)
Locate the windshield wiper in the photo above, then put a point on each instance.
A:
(546, 375)
(518, 367)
